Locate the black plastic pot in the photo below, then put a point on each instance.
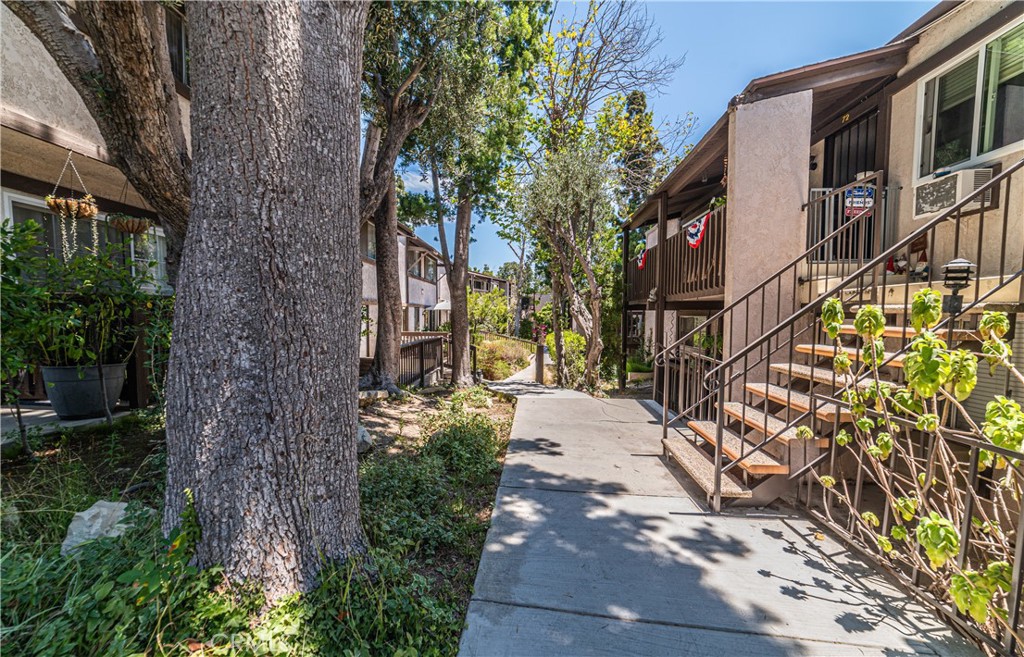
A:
(75, 393)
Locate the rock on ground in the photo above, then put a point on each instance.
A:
(101, 519)
(364, 440)
(368, 397)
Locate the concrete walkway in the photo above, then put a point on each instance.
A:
(597, 548)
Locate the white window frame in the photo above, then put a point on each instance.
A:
(976, 158)
(11, 196)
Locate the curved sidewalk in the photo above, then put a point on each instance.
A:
(596, 547)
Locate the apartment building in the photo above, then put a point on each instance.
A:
(419, 264)
(868, 178)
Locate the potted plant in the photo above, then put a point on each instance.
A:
(640, 364)
(84, 330)
(71, 207)
(126, 223)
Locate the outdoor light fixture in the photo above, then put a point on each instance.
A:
(956, 275)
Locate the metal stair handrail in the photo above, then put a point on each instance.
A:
(880, 259)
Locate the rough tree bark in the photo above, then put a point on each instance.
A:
(121, 69)
(457, 269)
(387, 351)
(462, 374)
(561, 369)
(262, 409)
(517, 294)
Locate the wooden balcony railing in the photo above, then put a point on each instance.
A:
(690, 273)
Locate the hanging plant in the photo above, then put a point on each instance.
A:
(73, 208)
(126, 223)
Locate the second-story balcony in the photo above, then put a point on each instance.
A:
(693, 268)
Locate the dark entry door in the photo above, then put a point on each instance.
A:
(850, 151)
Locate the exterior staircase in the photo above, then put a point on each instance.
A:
(749, 427)
(759, 438)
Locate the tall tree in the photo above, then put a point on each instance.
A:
(409, 58)
(261, 410)
(588, 61)
(464, 145)
(119, 65)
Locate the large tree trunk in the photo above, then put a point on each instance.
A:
(122, 72)
(262, 409)
(462, 374)
(386, 357)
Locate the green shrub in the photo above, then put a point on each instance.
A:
(466, 444)
(136, 594)
(634, 364)
(574, 351)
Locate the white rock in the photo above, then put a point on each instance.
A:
(367, 397)
(99, 520)
(364, 440)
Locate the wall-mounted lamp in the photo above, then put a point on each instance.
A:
(814, 163)
(956, 275)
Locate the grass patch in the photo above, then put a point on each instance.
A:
(426, 503)
(499, 359)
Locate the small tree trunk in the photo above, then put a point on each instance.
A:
(22, 429)
(461, 366)
(384, 372)
(561, 370)
(594, 343)
(261, 403)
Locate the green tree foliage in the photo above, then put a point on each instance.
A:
(597, 151)
(488, 311)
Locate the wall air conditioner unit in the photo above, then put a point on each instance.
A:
(944, 192)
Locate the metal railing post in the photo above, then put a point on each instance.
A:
(716, 503)
(423, 371)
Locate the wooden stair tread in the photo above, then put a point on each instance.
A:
(766, 423)
(911, 332)
(701, 468)
(830, 351)
(759, 463)
(823, 375)
(797, 400)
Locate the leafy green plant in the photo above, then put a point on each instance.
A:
(157, 341)
(424, 508)
(22, 299)
(574, 351)
(924, 475)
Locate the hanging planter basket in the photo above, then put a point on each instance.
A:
(126, 223)
(73, 208)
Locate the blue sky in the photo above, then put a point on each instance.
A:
(726, 44)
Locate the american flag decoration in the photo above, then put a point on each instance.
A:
(695, 231)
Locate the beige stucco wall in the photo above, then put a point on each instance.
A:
(369, 275)
(957, 22)
(422, 293)
(904, 137)
(33, 86)
(767, 185)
